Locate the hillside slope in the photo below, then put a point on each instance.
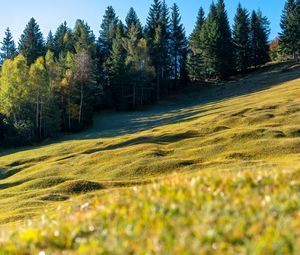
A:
(249, 124)
(234, 149)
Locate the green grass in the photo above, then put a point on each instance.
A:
(250, 212)
(220, 165)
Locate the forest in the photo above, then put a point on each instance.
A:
(54, 85)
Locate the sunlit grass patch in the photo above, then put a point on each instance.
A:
(249, 212)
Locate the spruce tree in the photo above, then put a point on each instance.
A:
(158, 39)
(165, 41)
(32, 44)
(63, 41)
(83, 38)
(50, 43)
(241, 30)
(290, 26)
(195, 36)
(8, 48)
(133, 20)
(178, 43)
(209, 38)
(216, 42)
(225, 45)
(195, 57)
(116, 65)
(259, 33)
(108, 32)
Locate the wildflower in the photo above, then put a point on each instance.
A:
(84, 206)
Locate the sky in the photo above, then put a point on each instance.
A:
(50, 14)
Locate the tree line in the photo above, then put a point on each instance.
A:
(53, 85)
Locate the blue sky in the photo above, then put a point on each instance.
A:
(49, 14)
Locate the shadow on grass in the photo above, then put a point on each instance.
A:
(177, 109)
(163, 139)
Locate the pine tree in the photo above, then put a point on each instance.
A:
(241, 31)
(8, 48)
(158, 39)
(225, 46)
(290, 26)
(259, 33)
(50, 43)
(195, 57)
(31, 44)
(209, 38)
(133, 20)
(83, 38)
(116, 66)
(178, 43)
(108, 32)
(195, 36)
(165, 41)
(63, 41)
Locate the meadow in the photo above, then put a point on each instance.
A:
(214, 170)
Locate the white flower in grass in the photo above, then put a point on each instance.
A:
(84, 206)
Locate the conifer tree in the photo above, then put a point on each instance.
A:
(8, 47)
(108, 32)
(241, 31)
(290, 26)
(209, 39)
(225, 46)
(63, 41)
(195, 36)
(84, 38)
(133, 20)
(158, 39)
(195, 58)
(165, 41)
(32, 44)
(178, 43)
(50, 43)
(116, 65)
(259, 33)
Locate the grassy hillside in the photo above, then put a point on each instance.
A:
(235, 149)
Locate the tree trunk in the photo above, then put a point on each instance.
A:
(175, 73)
(81, 103)
(158, 87)
(37, 114)
(69, 112)
(41, 119)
